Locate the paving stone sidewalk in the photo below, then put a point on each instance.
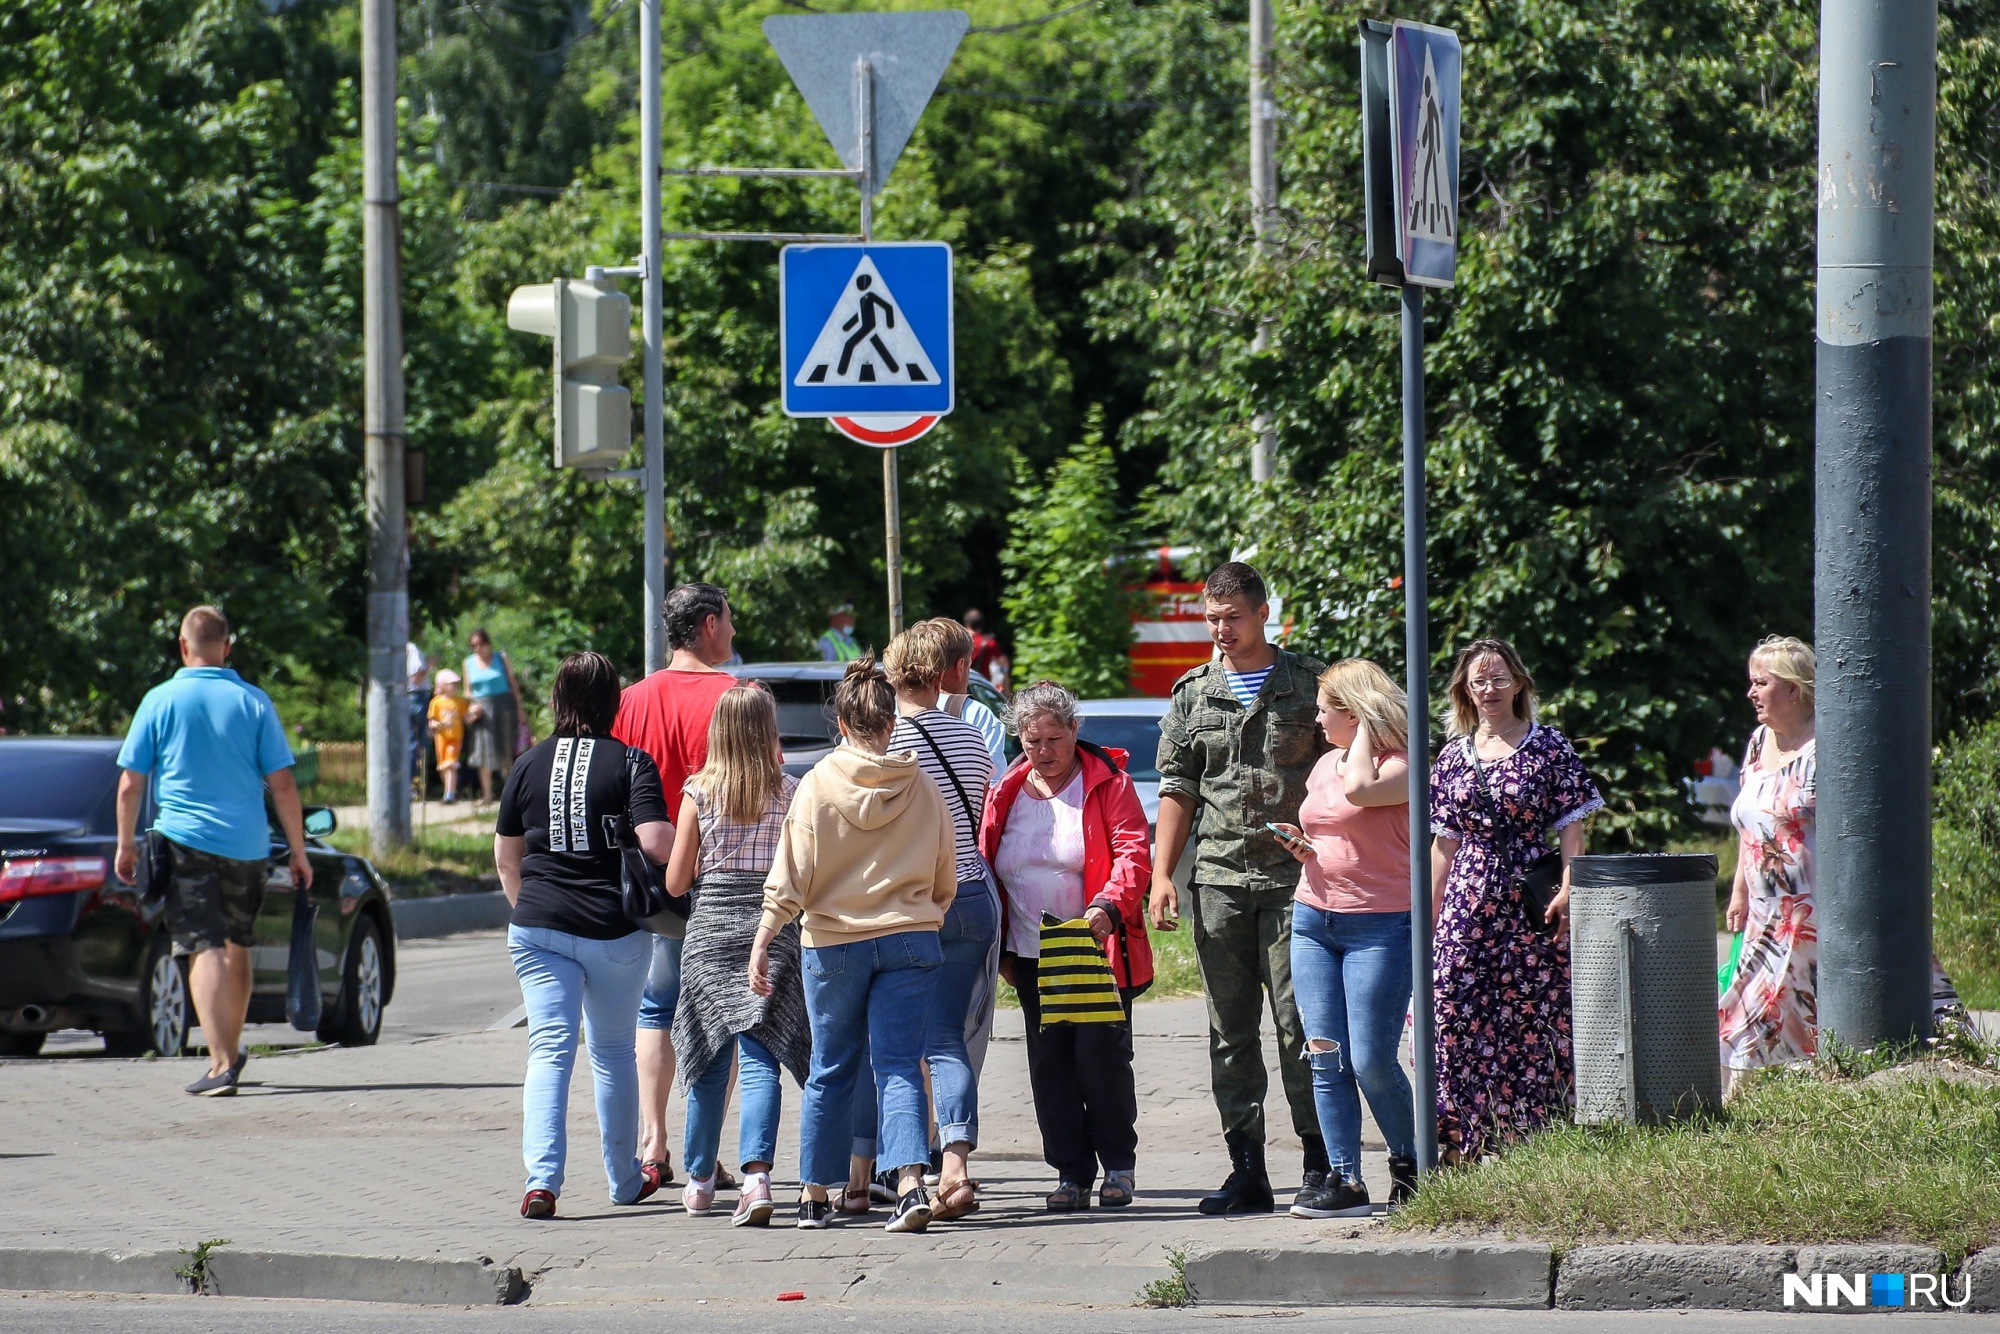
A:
(413, 1150)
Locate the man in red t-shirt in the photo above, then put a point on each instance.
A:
(667, 716)
(987, 659)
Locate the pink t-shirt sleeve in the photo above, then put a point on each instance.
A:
(1361, 854)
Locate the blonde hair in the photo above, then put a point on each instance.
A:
(915, 658)
(1464, 713)
(956, 639)
(1365, 690)
(1790, 659)
(742, 773)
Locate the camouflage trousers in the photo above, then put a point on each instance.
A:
(1243, 945)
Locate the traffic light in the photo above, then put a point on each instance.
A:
(592, 328)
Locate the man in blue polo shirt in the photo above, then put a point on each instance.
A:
(209, 741)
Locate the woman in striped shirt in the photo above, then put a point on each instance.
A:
(953, 753)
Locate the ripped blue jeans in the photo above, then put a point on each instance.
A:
(1351, 978)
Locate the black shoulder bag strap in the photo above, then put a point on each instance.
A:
(964, 802)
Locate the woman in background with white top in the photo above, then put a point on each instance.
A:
(1351, 932)
(1066, 835)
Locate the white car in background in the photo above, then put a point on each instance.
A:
(1133, 726)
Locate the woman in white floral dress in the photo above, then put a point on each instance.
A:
(1770, 1013)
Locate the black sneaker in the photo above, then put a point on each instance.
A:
(1342, 1199)
(882, 1186)
(814, 1213)
(215, 1086)
(913, 1213)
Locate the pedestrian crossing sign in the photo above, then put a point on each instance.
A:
(866, 330)
(1424, 65)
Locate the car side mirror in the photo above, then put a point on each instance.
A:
(320, 821)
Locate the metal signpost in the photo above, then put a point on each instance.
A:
(867, 79)
(1409, 136)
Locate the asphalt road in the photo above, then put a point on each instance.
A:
(454, 984)
(216, 1315)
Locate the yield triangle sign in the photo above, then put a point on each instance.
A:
(867, 339)
(906, 55)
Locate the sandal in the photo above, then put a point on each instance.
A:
(538, 1204)
(854, 1200)
(954, 1201)
(725, 1181)
(1116, 1192)
(665, 1167)
(1068, 1198)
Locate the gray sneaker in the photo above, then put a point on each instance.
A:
(215, 1086)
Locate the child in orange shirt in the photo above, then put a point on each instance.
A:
(447, 723)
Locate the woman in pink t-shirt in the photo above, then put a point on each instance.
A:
(1351, 932)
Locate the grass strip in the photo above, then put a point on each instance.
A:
(1909, 1154)
(438, 861)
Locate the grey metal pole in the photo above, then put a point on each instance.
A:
(1263, 201)
(1417, 640)
(382, 432)
(650, 336)
(1872, 525)
(892, 505)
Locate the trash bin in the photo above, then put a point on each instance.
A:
(1642, 972)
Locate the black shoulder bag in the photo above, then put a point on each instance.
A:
(964, 802)
(1541, 880)
(642, 886)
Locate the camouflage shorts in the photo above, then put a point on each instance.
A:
(212, 900)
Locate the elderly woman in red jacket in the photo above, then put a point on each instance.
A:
(1067, 837)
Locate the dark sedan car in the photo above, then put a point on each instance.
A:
(78, 950)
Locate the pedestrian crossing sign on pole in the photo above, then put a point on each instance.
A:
(1424, 65)
(865, 337)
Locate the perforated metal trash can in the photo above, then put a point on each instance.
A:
(1642, 968)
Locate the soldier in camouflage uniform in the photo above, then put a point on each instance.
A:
(1235, 749)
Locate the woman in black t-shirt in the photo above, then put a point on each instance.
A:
(578, 956)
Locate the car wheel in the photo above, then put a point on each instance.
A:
(364, 982)
(21, 1044)
(163, 1005)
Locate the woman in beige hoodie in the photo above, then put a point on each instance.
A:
(868, 866)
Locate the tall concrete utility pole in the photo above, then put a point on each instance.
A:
(1872, 527)
(1263, 203)
(653, 373)
(382, 427)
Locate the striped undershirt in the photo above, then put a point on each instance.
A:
(965, 751)
(1245, 685)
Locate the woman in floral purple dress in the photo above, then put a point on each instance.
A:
(1500, 787)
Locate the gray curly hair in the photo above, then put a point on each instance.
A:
(1043, 699)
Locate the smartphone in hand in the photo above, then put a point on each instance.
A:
(1289, 839)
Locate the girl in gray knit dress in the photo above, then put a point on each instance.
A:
(727, 831)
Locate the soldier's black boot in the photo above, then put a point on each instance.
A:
(1402, 1179)
(1317, 1168)
(1248, 1189)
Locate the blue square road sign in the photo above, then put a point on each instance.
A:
(1424, 67)
(866, 329)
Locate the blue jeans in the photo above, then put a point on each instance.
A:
(565, 979)
(868, 997)
(1351, 977)
(965, 939)
(663, 986)
(757, 1120)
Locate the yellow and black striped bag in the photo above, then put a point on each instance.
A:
(1074, 978)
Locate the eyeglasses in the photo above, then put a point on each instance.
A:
(1492, 683)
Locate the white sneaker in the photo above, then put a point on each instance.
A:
(699, 1196)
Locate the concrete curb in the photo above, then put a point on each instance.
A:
(1491, 1274)
(449, 914)
(367, 1278)
(1644, 1278)
(364, 1277)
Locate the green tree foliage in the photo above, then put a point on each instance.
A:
(164, 437)
(1071, 610)
(1619, 388)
